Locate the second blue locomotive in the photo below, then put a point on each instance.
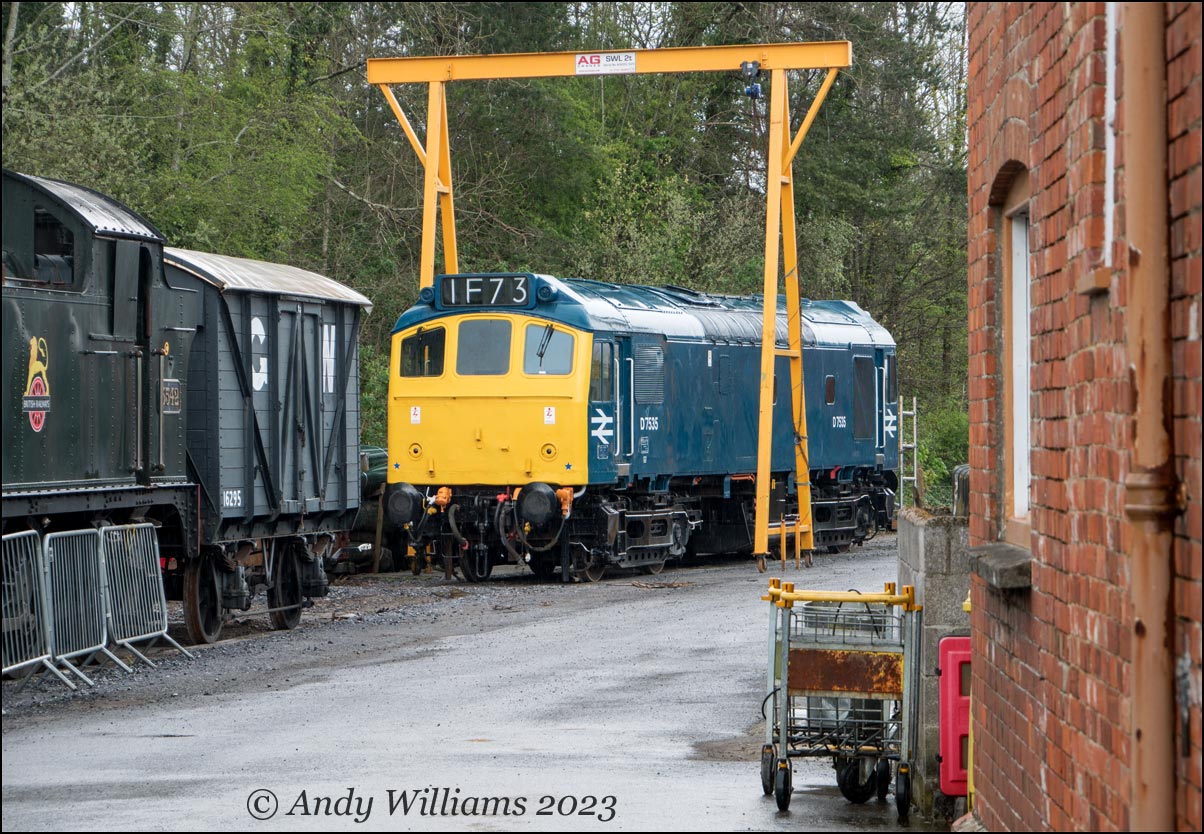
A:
(589, 425)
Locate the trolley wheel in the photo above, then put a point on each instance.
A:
(655, 568)
(202, 600)
(416, 562)
(768, 758)
(284, 590)
(883, 773)
(851, 785)
(760, 563)
(903, 791)
(782, 787)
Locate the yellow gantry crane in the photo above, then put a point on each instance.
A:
(777, 59)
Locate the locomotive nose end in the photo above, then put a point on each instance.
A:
(403, 504)
(538, 503)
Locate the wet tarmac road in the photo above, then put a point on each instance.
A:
(614, 706)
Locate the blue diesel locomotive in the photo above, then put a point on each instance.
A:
(586, 425)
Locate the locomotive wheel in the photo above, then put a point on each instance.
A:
(782, 787)
(655, 568)
(543, 568)
(202, 600)
(285, 590)
(594, 571)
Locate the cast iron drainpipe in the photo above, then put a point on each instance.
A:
(1150, 488)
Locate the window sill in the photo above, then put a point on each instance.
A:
(1003, 566)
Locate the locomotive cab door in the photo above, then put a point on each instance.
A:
(605, 419)
(643, 391)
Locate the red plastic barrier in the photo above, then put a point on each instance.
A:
(954, 661)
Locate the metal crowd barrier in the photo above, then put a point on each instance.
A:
(75, 571)
(26, 624)
(137, 603)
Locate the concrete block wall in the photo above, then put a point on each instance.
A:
(933, 558)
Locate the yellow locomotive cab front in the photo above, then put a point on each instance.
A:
(483, 399)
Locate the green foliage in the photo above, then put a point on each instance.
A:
(944, 442)
(374, 395)
(250, 129)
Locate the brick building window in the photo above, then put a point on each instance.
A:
(1017, 362)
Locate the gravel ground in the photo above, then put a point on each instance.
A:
(359, 620)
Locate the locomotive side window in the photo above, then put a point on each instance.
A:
(863, 397)
(422, 353)
(830, 390)
(601, 372)
(548, 351)
(483, 348)
(53, 249)
(892, 380)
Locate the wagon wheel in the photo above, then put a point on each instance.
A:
(284, 588)
(202, 600)
(849, 778)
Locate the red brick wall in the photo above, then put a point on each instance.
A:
(1051, 672)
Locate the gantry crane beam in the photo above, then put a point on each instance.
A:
(780, 234)
(773, 56)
